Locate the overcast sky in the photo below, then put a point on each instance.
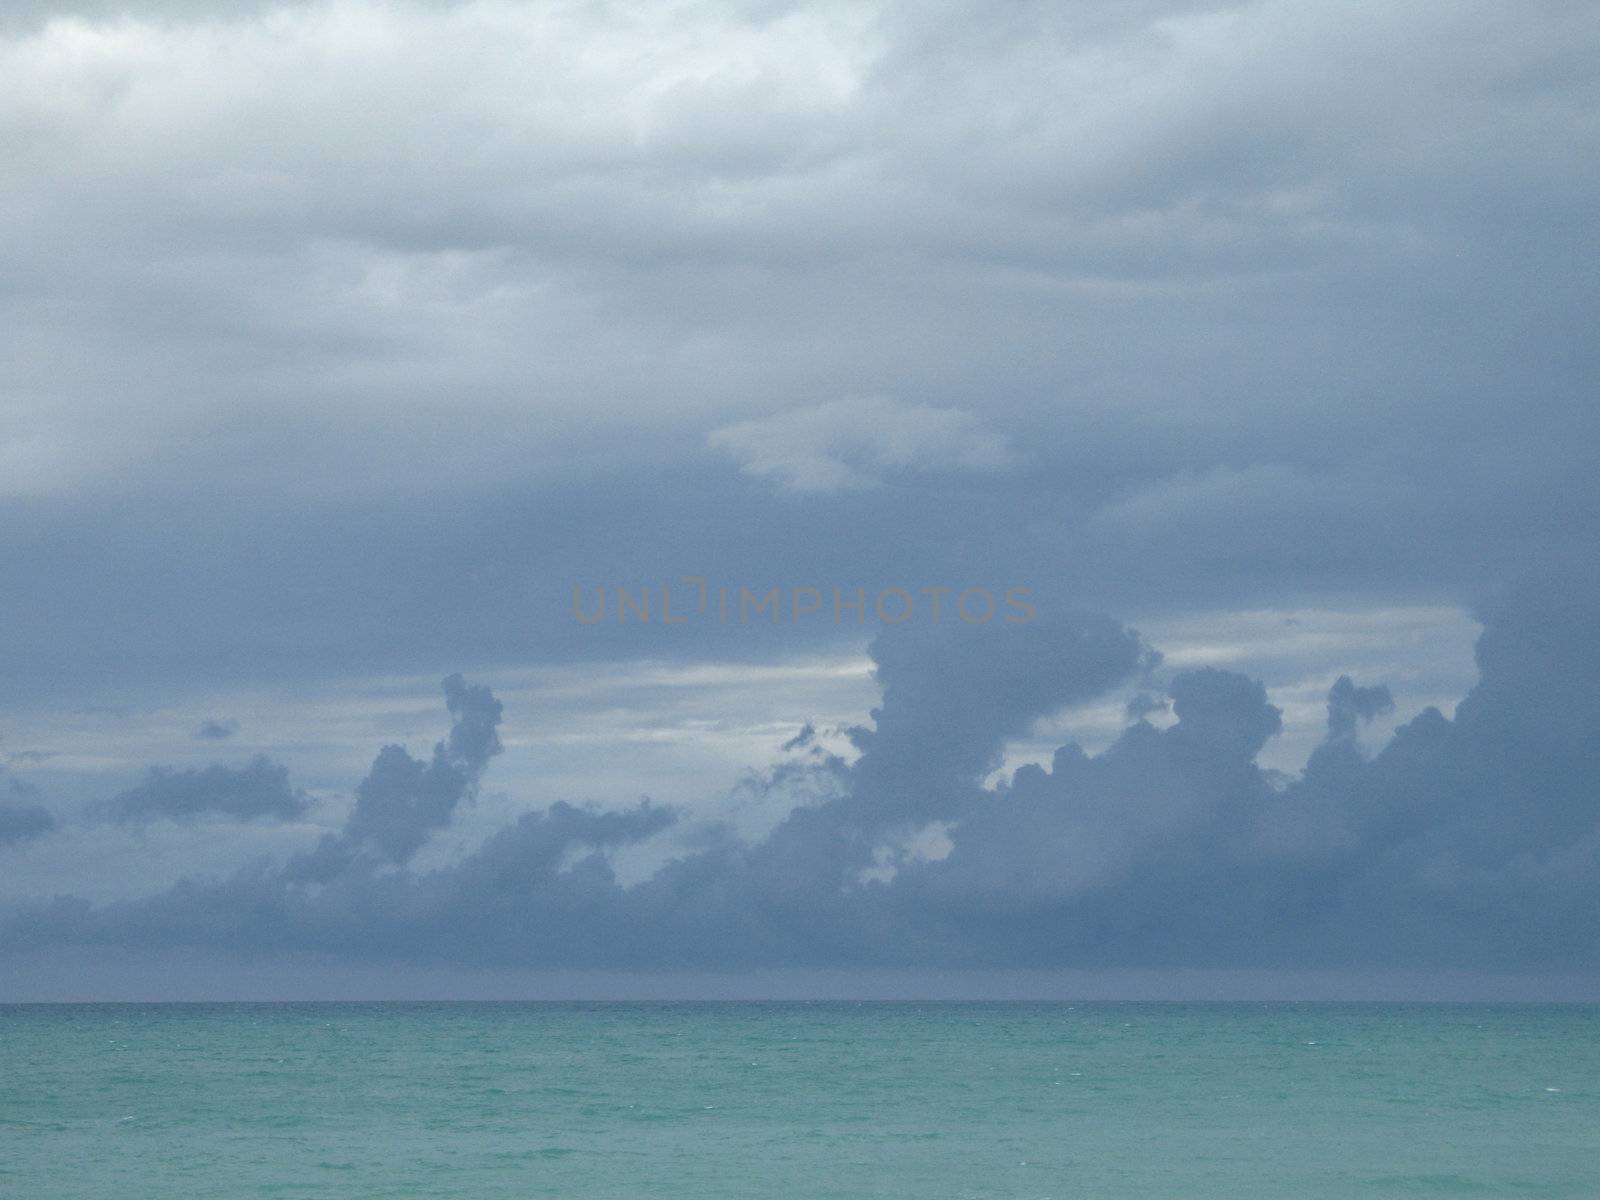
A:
(340, 342)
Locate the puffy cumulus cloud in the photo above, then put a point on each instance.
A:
(1349, 705)
(544, 888)
(259, 790)
(1471, 842)
(1059, 839)
(403, 799)
(1468, 840)
(1171, 846)
(860, 443)
(1475, 840)
(954, 695)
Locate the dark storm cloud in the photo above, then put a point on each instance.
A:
(1471, 842)
(259, 790)
(1254, 299)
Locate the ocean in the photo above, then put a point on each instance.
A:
(1099, 1101)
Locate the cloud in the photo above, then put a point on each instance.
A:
(1223, 712)
(1143, 705)
(1350, 705)
(954, 695)
(217, 731)
(20, 822)
(259, 790)
(1245, 286)
(802, 740)
(403, 799)
(1470, 843)
(1461, 841)
(1223, 274)
(852, 444)
(20, 819)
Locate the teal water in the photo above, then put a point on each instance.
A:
(773, 1100)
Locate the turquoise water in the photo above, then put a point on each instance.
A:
(774, 1100)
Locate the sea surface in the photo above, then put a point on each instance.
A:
(1299, 1101)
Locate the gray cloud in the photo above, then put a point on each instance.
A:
(259, 790)
(20, 818)
(1142, 705)
(1471, 843)
(403, 800)
(19, 822)
(860, 443)
(802, 740)
(954, 695)
(1350, 705)
(216, 731)
(1227, 287)
(1260, 304)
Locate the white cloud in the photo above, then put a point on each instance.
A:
(925, 844)
(576, 220)
(860, 443)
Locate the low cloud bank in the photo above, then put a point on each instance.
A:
(1464, 844)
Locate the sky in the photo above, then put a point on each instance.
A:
(1198, 398)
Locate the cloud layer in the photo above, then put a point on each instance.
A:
(344, 337)
(1471, 843)
(860, 443)
(1216, 303)
(258, 790)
